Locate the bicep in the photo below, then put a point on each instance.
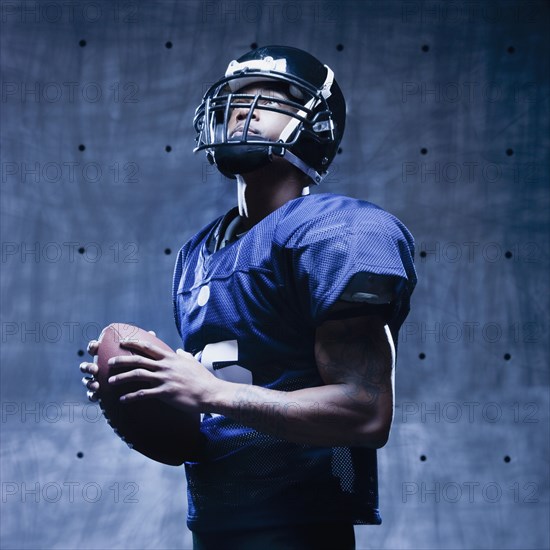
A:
(357, 351)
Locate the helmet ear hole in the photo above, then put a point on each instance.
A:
(295, 92)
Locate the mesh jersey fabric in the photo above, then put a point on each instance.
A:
(268, 291)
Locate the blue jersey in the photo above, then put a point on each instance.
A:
(249, 312)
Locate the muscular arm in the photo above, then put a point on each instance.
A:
(355, 358)
(355, 406)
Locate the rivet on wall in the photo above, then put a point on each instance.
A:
(80, 352)
(339, 47)
(168, 45)
(253, 46)
(508, 254)
(339, 150)
(423, 151)
(81, 250)
(168, 251)
(507, 459)
(507, 357)
(425, 48)
(509, 152)
(82, 43)
(81, 147)
(168, 148)
(423, 254)
(423, 458)
(80, 454)
(422, 356)
(511, 49)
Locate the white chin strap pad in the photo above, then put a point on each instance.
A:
(241, 190)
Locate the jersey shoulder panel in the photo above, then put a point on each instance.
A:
(330, 239)
(317, 217)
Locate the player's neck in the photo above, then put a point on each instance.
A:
(270, 188)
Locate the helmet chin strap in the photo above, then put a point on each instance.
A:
(303, 167)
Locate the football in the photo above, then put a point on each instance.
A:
(152, 427)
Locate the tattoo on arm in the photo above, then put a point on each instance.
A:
(354, 359)
(355, 352)
(252, 407)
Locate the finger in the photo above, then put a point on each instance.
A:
(89, 368)
(133, 361)
(184, 353)
(133, 376)
(140, 395)
(87, 380)
(151, 350)
(92, 396)
(93, 346)
(91, 383)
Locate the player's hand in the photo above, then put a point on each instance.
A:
(90, 370)
(176, 378)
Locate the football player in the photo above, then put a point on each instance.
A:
(289, 308)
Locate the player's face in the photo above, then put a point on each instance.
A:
(263, 124)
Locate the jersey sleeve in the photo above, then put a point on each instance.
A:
(361, 254)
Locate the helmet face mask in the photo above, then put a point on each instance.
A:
(309, 98)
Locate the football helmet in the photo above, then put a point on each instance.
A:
(315, 104)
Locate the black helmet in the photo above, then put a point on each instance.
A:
(315, 104)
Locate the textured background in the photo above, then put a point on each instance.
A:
(448, 129)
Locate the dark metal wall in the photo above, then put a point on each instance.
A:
(447, 128)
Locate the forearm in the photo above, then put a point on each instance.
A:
(353, 406)
(329, 415)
